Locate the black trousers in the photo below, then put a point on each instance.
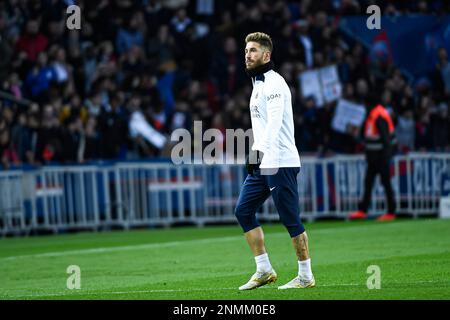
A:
(377, 163)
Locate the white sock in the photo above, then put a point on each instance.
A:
(263, 263)
(304, 269)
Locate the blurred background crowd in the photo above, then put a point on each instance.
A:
(137, 70)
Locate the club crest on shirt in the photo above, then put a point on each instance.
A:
(254, 112)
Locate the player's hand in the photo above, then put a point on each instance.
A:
(253, 161)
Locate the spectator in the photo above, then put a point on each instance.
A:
(180, 21)
(49, 146)
(443, 68)
(94, 104)
(90, 141)
(39, 79)
(6, 51)
(8, 155)
(310, 123)
(181, 118)
(141, 130)
(304, 44)
(60, 68)
(423, 133)
(226, 69)
(130, 36)
(112, 123)
(440, 126)
(32, 42)
(21, 137)
(405, 131)
(16, 86)
(32, 125)
(71, 140)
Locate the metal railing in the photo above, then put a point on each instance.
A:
(128, 195)
(11, 202)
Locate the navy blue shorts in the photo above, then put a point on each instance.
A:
(284, 190)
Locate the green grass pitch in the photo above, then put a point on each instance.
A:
(212, 262)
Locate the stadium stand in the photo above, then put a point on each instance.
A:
(75, 96)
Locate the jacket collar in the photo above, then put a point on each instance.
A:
(258, 72)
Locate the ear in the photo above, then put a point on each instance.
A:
(267, 55)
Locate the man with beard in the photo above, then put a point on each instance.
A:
(272, 165)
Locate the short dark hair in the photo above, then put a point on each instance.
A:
(259, 37)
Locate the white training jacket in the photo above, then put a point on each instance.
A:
(272, 121)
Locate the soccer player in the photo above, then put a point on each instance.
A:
(274, 171)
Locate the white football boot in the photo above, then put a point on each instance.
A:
(259, 279)
(298, 283)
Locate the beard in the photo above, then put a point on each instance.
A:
(255, 64)
(259, 69)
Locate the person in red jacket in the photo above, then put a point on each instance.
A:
(32, 42)
(379, 140)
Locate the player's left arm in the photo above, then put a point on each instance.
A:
(274, 94)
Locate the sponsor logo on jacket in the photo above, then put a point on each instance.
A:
(273, 96)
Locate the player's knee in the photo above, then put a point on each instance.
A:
(295, 229)
(238, 210)
(246, 219)
(291, 220)
(240, 213)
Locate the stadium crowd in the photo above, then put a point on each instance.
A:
(137, 70)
